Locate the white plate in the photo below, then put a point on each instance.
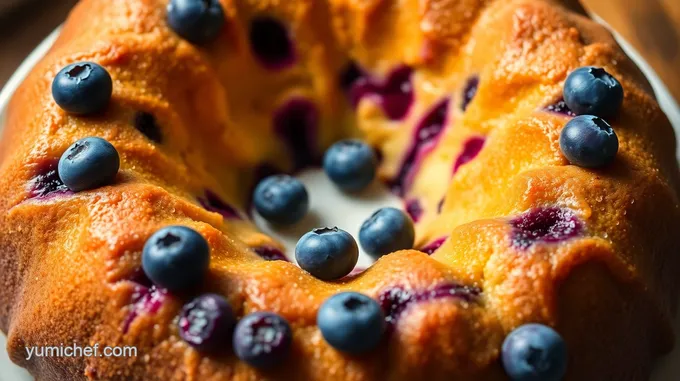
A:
(667, 369)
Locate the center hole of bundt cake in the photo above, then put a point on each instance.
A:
(329, 206)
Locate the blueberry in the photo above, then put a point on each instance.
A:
(197, 21)
(82, 88)
(327, 253)
(386, 231)
(176, 258)
(88, 163)
(262, 339)
(593, 91)
(351, 322)
(350, 164)
(589, 141)
(206, 323)
(534, 352)
(281, 199)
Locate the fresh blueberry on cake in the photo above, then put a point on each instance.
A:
(176, 258)
(386, 231)
(197, 21)
(534, 352)
(351, 322)
(89, 163)
(592, 91)
(589, 141)
(206, 322)
(281, 199)
(327, 253)
(262, 339)
(82, 88)
(350, 164)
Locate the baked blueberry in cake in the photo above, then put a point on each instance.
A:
(538, 238)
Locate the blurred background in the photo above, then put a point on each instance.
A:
(651, 26)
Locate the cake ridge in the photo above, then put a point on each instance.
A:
(211, 141)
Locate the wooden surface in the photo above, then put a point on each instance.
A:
(651, 26)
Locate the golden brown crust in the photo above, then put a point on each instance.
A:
(67, 262)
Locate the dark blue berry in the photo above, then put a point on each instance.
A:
(534, 352)
(327, 253)
(351, 322)
(281, 199)
(589, 141)
(386, 231)
(593, 91)
(82, 88)
(350, 164)
(197, 21)
(89, 163)
(206, 323)
(262, 339)
(176, 258)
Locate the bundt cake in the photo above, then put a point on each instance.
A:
(542, 252)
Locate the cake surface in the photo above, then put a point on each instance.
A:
(462, 98)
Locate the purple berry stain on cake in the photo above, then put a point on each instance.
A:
(431, 247)
(469, 91)
(414, 209)
(471, 148)
(206, 322)
(262, 339)
(394, 94)
(145, 300)
(350, 75)
(544, 225)
(296, 122)
(270, 253)
(560, 107)
(271, 43)
(145, 123)
(425, 139)
(212, 202)
(46, 182)
(396, 300)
